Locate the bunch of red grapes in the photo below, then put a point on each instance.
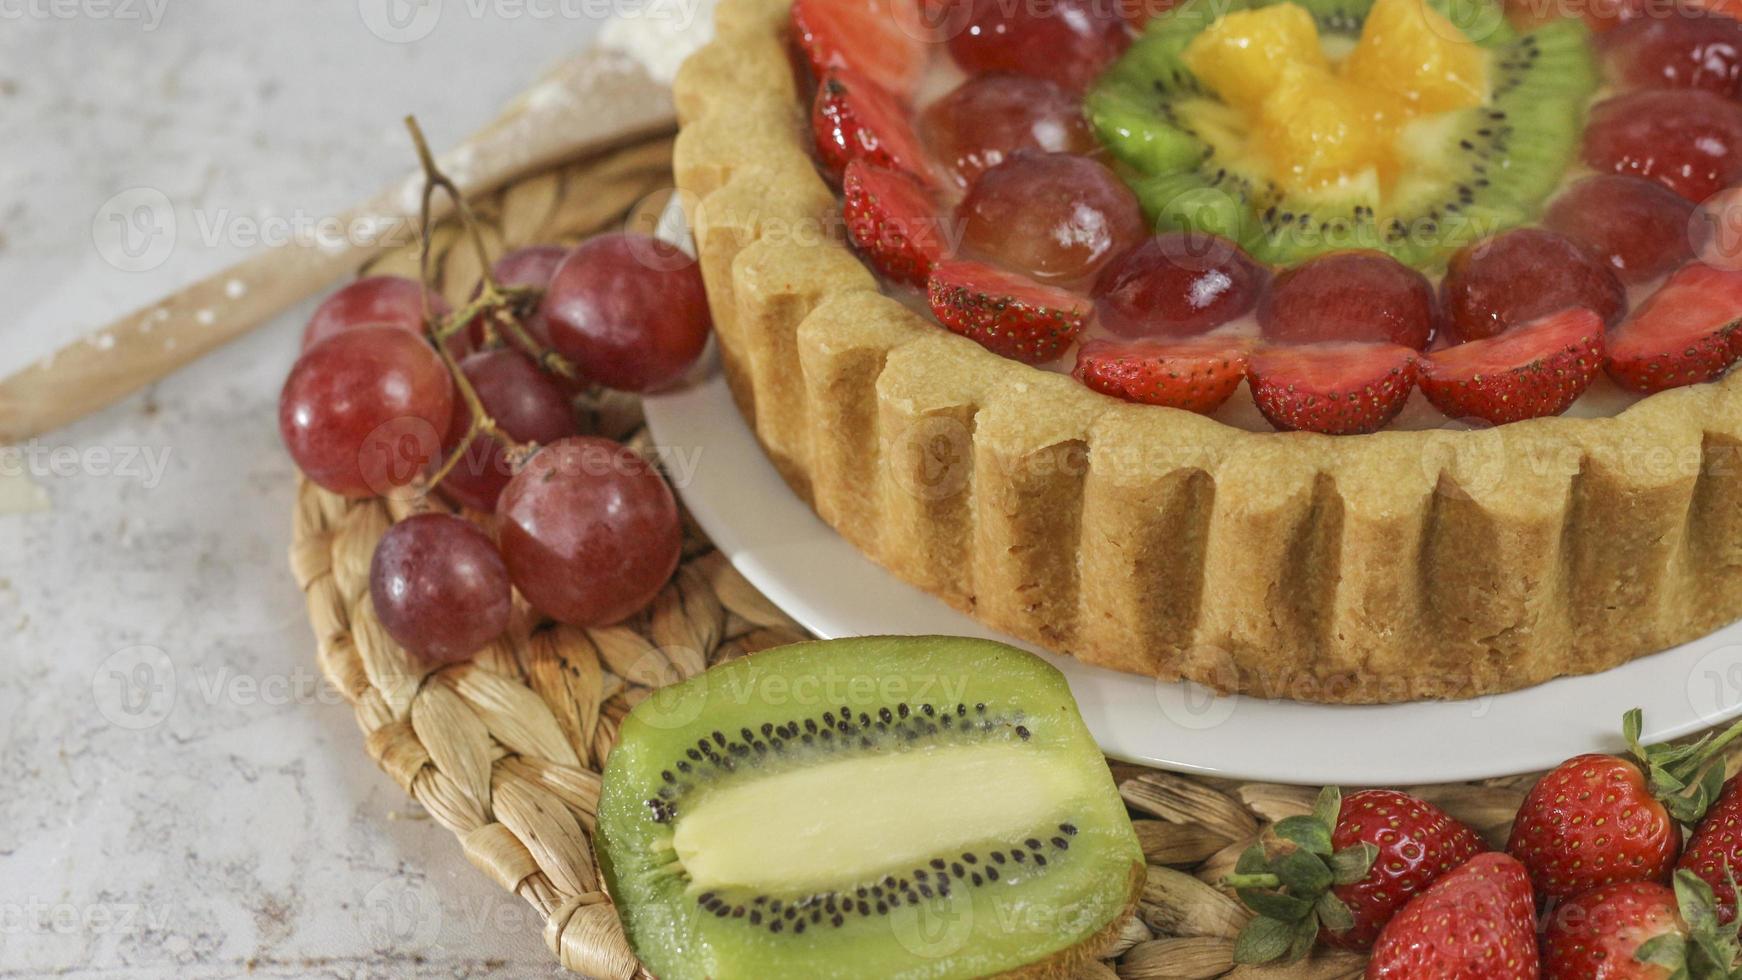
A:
(584, 527)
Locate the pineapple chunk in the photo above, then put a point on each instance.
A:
(1240, 54)
(1411, 49)
(1319, 130)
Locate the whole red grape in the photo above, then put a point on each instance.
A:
(386, 301)
(439, 587)
(1065, 41)
(1350, 296)
(527, 404)
(1053, 216)
(1639, 227)
(1520, 276)
(1687, 140)
(989, 119)
(363, 412)
(590, 531)
(629, 310)
(1684, 48)
(1177, 285)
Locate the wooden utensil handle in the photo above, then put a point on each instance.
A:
(153, 342)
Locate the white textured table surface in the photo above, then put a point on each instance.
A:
(180, 796)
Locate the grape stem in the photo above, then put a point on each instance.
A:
(495, 302)
(492, 301)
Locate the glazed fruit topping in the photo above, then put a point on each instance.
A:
(1689, 332)
(1334, 389)
(880, 39)
(894, 221)
(1682, 49)
(1321, 125)
(855, 119)
(1689, 141)
(989, 119)
(1197, 375)
(629, 310)
(1521, 276)
(1007, 313)
(1640, 227)
(1178, 285)
(1533, 371)
(1055, 217)
(1069, 42)
(1350, 296)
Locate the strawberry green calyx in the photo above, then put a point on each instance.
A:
(1710, 950)
(1287, 880)
(1682, 777)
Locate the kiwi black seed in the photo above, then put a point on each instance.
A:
(935, 771)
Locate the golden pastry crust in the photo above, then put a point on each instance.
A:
(1393, 567)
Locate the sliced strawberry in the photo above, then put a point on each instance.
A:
(1008, 314)
(1197, 375)
(894, 221)
(854, 119)
(871, 37)
(1336, 389)
(1686, 333)
(1529, 372)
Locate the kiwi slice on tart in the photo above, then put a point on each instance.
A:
(1452, 172)
(878, 807)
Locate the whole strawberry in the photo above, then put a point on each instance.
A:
(1602, 819)
(1339, 875)
(1477, 923)
(1639, 930)
(1715, 851)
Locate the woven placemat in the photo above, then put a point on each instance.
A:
(506, 750)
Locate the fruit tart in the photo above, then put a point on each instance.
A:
(1336, 350)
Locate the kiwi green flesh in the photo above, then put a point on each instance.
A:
(956, 820)
(1469, 174)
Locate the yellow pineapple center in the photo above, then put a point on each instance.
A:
(1322, 121)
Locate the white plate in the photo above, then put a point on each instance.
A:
(800, 563)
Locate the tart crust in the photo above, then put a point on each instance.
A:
(1392, 567)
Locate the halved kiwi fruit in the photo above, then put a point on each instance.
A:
(881, 807)
(1466, 176)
